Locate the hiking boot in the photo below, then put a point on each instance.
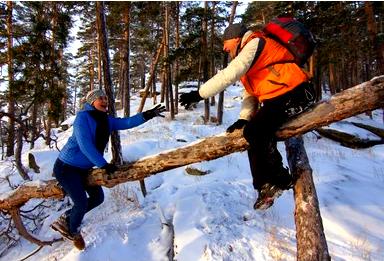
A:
(266, 196)
(78, 241)
(269, 192)
(61, 226)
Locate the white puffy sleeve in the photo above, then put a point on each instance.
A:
(232, 73)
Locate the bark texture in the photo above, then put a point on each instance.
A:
(348, 140)
(311, 241)
(364, 97)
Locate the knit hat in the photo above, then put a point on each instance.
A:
(234, 31)
(93, 95)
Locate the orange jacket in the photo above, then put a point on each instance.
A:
(274, 72)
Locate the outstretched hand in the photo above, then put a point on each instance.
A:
(154, 112)
(188, 99)
(240, 123)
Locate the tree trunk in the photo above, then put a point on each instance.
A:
(167, 67)
(102, 33)
(364, 97)
(204, 53)
(163, 92)
(213, 71)
(332, 80)
(53, 83)
(311, 241)
(34, 131)
(125, 86)
(348, 140)
(177, 64)
(377, 47)
(220, 105)
(91, 69)
(19, 148)
(11, 96)
(151, 76)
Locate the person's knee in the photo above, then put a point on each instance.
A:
(81, 205)
(247, 133)
(252, 134)
(99, 199)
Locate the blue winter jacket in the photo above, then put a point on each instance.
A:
(80, 150)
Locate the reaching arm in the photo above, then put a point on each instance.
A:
(126, 123)
(232, 73)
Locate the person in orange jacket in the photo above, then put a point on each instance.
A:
(276, 88)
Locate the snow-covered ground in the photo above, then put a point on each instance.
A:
(212, 215)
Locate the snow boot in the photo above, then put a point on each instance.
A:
(78, 241)
(61, 226)
(269, 192)
(266, 196)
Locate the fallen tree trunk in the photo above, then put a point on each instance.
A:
(377, 131)
(361, 98)
(348, 140)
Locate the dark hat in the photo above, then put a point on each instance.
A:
(234, 31)
(93, 95)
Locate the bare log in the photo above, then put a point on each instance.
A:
(348, 140)
(377, 131)
(364, 97)
(311, 241)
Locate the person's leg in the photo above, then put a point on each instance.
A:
(96, 196)
(263, 154)
(71, 180)
(270, 177)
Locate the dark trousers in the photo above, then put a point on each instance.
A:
(264, 158)
(73, 181)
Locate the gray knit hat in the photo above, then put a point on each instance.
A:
(234, 31)
(93, 95)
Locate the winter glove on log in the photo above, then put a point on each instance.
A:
(154, 112)
(109, 168)
(188, 99)
(240, 123)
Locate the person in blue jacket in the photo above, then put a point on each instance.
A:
(83, 151)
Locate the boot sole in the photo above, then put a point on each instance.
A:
(60, 230)
(78, 243)
(268, 202)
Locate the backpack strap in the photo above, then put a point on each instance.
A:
(260, 46)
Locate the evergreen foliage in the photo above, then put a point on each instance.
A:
(49, 80)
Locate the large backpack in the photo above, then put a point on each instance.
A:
(293, 35)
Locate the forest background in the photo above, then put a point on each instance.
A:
(43, 82)
(148, 42)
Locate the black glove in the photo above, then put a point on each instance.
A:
(155, 111)
(188, 99)
(109, 168)
(240, 123)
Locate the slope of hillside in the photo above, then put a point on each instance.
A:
(212, 215)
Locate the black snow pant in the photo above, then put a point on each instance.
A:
(73, 181)
(265, 160)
